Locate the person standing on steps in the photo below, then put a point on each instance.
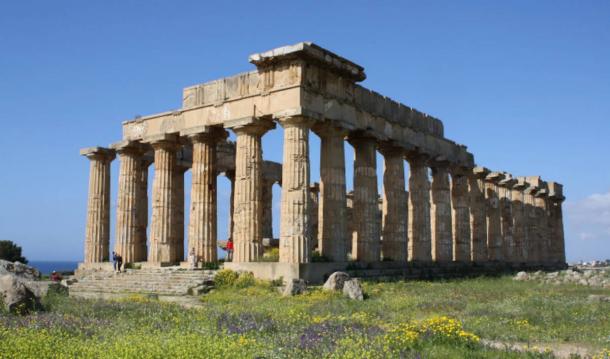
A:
(230, 250)
(119, 260)
(114, 260)
(192, 259)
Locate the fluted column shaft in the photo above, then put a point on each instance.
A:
(461, 216)
(142, 247)
(507, 223)
(332, 211)
(442, 239)
(202, 232)
(394, 220)
(295, 236)
(494, 222)
(420, 246)
(478, 215)
(366, 246)
(531, 226)
(231, 177)
(248, 207)
(163, 232)
(518, 212)
(97, 233)
(128, 230)
(267, 223)
(543, 226)
(557, 234)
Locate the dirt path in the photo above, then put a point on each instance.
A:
(560, 350)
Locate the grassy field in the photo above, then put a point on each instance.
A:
(415, 319)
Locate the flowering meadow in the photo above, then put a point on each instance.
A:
(250, 319)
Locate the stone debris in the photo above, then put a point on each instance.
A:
(336, 281)
(294, 287)
(15, 296)
(598, 277)
(353, 290)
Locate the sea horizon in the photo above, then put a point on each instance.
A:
(46, 267)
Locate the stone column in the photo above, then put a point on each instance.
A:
(542, 216)
(420, 247)
(163, 233)
(178, 216)
(332, 211)
(314, 207)
(231, 176)
(394, 220)
(556, 198)
(129, 205)
(461, 215)
(247, 202)
(531, 221)
(506, 215)
(97, 233)
(202, 231)
(519, 223)
(366, 208)
(441, 226)
(478, 214)
(494, 219)
(295, 237)
(267, 221)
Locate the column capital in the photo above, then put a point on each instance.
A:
(251, 125)
(98, 153)
(389, 149)
(556, 192)
(127, 146)
(520, 184)
(439, 162)
(329, 129)
(204, 133)
(356, 137)
(163, 141)
(295, 121)
(459, 171)
(508, 181)
(480, 172)
(494, 177)
(417, 157)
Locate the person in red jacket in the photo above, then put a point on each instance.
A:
(230, 250)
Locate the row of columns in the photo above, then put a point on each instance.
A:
(462, 214)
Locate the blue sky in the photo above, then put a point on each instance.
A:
(525, 85)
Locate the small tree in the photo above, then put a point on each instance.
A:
(11, 252)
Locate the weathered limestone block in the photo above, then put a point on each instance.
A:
(202, 231)
(97, 234)
(394, 220)
(461, 214)
(16, 296)
(366, 244)
(248, 207)
(506, 215)
(295, 236)
(336, 281)
(314, 205)
(441, 225)
(163, 233)
(420, 247)
(478, 214)
(556, 199)
(129, 204)
(519, 220)
(332, 212)
(353, 290)
(494, 219)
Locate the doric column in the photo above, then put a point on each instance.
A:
(531, 221)
(478, 214)
(178, 216)
(267, 198)
(97, 233)
(394, 220)
(420, 247)
(142, 249)
(314, 207)
(202, 231)
(332, 211)
(295, 237)
(441, 225)
(129, 205)
(230, 174)
(506, 216)
(494, 219)
(163, 232)
(542, 215)
(519, 223)
(248, 208)
(461, 214)
(556, 198)
(366, 208)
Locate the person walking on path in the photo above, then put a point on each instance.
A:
(230, 250)
(114, 260)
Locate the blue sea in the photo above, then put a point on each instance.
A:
(46, 267)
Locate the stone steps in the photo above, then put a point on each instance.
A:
(170, 282)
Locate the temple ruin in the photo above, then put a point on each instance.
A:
(448, 214)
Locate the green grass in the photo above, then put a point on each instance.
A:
(399, 319)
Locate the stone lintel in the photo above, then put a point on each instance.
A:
(127, 145)
(312, 53)
(257, 124)
(98, 151)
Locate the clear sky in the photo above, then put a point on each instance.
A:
(525, 85)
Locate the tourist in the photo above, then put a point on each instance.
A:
(119, 261)
(55, 277)
(192, 259)
(230, 250)
(114, 260)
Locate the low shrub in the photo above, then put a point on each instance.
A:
(210, 266)
(271, 255)
(245, 279)
(225, 278)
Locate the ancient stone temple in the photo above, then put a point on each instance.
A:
(448, 214)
